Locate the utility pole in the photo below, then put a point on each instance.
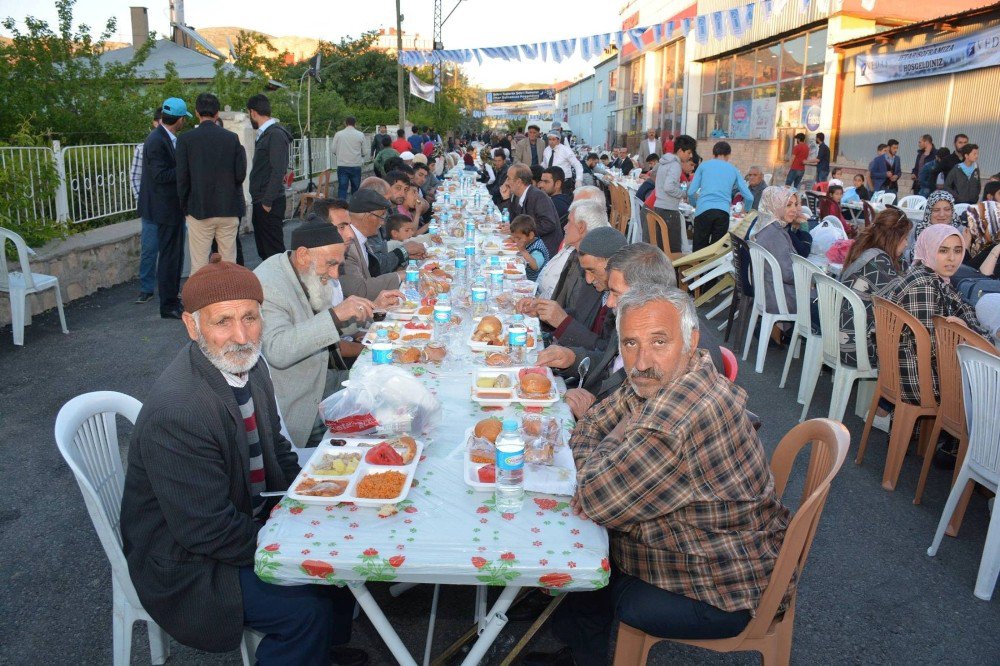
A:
(399, 67)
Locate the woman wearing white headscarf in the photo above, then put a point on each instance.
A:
(779, 207)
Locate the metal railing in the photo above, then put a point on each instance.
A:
(95, 181)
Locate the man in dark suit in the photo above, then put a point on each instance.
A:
(159, 202)
(211, 167)
(552, 182)
(267, 177)
(526, 199)
(206, 444)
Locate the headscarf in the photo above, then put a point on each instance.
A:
(771, 208)
(935, 197)
(930, 241)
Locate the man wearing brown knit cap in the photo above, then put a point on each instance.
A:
(206, 444)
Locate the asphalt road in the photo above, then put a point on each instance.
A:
(869, 595)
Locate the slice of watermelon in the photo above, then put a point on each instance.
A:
(383, 454)
(487, 474)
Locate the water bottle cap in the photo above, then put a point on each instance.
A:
(510, 425)
(381, 333)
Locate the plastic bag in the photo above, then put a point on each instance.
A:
(824, 236)
(381, 399)
(542, 436)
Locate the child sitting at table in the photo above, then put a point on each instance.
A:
(529, 246)
(400, 229)
(830, 205)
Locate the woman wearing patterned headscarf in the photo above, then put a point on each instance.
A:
(940, 209)
(925, 291)
(779, 207)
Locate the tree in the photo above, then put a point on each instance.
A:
(54, 80)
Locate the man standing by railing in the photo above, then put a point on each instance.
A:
(349, 146)
(147, 240)
(267, 177)
(159, 202)
(211, 167)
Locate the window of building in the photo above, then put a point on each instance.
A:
(667, 118)
(751, 93)
(612, 85)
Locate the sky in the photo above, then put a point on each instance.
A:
(474, 24)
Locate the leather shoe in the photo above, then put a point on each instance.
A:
(348, 656)
(144, 297)
(563, 657)
(170, 314)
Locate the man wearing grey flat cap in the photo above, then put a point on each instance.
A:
(367, 210)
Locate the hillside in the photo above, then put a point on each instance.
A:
(300, 47)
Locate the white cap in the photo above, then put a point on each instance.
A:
(406, 155)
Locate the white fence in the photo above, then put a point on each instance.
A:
(95, 182)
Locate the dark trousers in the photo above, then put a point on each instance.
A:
(709, 227)
(267, 228)
(170, 239)
(586, 619)
(300, 622)
(675, 225)
(348, 176)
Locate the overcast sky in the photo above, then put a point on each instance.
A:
(475, 23)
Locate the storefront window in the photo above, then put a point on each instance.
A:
(767, 63)
(816, 52)
(812, 88)
(790, 91)
(793, 57)
(725, 74)
(708, 77)
(743, 70)
(722, 105)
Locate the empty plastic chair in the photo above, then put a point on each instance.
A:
(981, 391)
(87, 437)
(767, 178)
(832, 295)
(887, 198)
(20, 284)
(758, 258)
(913, 202)
(770, 631)
(803, 270)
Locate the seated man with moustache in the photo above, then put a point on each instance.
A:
(206, 444)
(672, 466)
(301, 341)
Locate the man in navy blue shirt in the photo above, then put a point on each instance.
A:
(416, 140)
(822, 158)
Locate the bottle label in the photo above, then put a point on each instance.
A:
(381, 354)
(517, 338)
(510, 460)
(470, 250)
(442, 315)
(478, 295)
(460, 262)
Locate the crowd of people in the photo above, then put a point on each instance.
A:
(667, 455)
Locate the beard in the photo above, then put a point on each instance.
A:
(254, 124)
(236, 359)
(320, 294)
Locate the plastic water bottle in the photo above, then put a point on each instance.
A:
(470, 231)
(505, 218)
(442, 317)
(509, 494)
(517, 339)
(479, 305)
(412, 289)
(470, 261)
(382, 348)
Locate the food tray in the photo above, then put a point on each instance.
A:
(559, 478)
(534, 330)
(399, 328)
(354, 445)
(406, 314)
(493, 397)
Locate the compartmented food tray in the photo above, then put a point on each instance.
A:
(399, 335)
(505, 395)
(322, 472)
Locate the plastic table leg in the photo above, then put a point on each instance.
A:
(381, 624)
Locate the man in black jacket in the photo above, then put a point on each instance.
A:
(267, 177)
(527, 199)
(206, 444)
(159, 202)
(211, 167)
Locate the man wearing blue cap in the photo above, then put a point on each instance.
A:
(159, 202)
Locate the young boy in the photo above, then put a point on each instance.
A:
(400, 229)
(530, 247)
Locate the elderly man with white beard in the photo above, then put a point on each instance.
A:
(206, 445)
(301, 340)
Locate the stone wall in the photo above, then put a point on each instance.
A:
(83, 263)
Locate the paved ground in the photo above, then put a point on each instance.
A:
(870, 594)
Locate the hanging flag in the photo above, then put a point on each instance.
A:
(804, 7)
(635, 36)
(620, 39)
(530, 51)
(718, 25)
(736, 22)
(701, 29)
(748, 17)
(686, 26)
(418, 88)
(669, 29)
(544, 51)
(768, 9)
(479, 55)
(657, 33)
(586, 44)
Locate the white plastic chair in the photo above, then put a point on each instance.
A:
(885, 198)
(87, 437)
(913, 202)
(18, 284)
(981, 390)
(961, 208)
(767, 178)
(803, 270)
(832, 294)
(758, 256)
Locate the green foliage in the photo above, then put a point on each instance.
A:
(28, 197)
